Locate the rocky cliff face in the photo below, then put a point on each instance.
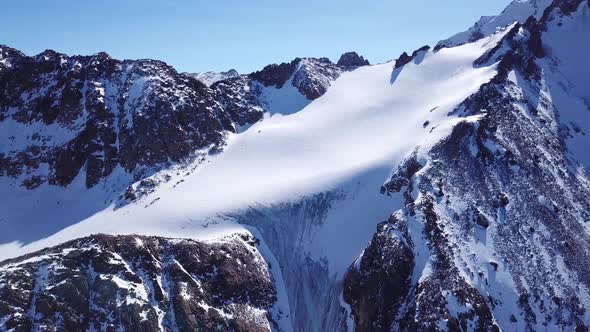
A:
(63, 115)
(500, 198)
(129, 283)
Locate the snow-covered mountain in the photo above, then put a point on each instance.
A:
(61, 114)
(446, 190)
(210, 77)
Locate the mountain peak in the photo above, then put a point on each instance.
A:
(210, 77)
(352, 59)
(231, 72)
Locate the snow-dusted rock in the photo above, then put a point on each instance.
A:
(132, 282)
(61, 116)
(352, 60)
(210, 77)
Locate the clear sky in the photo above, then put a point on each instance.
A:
(195, 35)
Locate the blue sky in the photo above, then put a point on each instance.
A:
(195, 35)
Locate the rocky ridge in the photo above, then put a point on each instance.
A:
(62, 116)
(248, 97)
(499, 198)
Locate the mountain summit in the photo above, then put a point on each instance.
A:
(210, 77)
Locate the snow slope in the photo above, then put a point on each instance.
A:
(339, 139)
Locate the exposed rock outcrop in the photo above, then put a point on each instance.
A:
(352, 60)
(143, 283)
(95, 113)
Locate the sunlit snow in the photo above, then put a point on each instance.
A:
(348, 141)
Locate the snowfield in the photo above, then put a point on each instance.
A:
(346, 141)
